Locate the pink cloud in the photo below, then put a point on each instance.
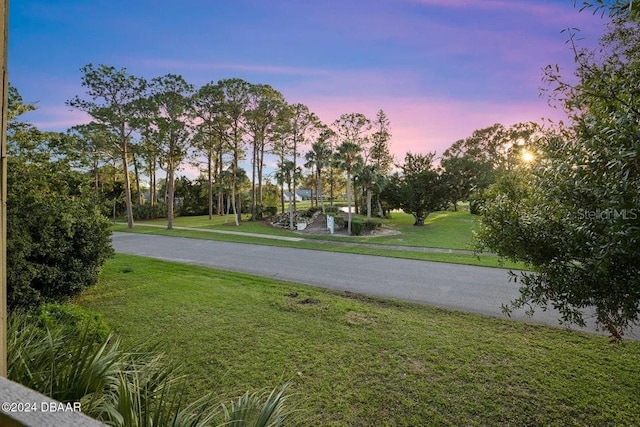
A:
(421, 125)
(56, 118)
(240, 67)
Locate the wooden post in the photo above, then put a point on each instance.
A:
(4, 23)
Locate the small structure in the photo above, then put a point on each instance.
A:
(302, 194)
(286, 197)
(330, 224)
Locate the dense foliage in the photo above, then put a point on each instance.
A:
(574, 214)
(57, 240)
(419, 190)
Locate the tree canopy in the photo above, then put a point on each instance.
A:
(573, 215)
(419, 189)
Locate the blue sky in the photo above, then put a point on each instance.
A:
(439, 68)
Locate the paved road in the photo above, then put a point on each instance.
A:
(467, 288)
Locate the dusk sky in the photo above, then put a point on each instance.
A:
(438, 68)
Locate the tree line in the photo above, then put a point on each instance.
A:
(160, 124)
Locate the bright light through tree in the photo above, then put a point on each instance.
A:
(527, 156)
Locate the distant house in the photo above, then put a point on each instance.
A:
(305, 194)
(300, 195)
(287, 197)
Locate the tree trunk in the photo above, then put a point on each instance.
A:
(170, 195)
(282, 198)
(233, 183)
(369, 203)
(137, 177)
(349, 202)
(331, 186)
(152, 183)
(228, 208)
(127, 185)
(419, 220)
(233, 204)
(260, 170)
(210, 183)
(319, 190)
(355, 199)
(254, 162)
(219, 184)
(290, 207)
(295, 165)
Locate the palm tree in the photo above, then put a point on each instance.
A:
(372, 181)
(319, 157)
(288, 173)
(348, 158)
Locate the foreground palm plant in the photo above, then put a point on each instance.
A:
(122, 387)
(252, 409)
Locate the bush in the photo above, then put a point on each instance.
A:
(476, 204)
(371, 224)
(56, 247)
(331, 210)
(146, 211)
(270, 211)
(357, 227)
(339, 222)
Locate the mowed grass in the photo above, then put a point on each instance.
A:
(447, 230)
(364, 361)
(450, 230)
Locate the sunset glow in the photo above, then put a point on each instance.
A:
(439, 69)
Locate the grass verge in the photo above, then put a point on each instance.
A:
(367, 361)
(447, 230)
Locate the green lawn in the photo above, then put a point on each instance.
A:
(365, 361)
(452, 230)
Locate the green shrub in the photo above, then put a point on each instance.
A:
(331, 210)
(56, 246)
(357, 227)
(372, 224)
(476, 204)
(270, 211)
(146, 211)
(339, 222)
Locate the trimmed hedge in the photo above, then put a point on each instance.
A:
(358, 226)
